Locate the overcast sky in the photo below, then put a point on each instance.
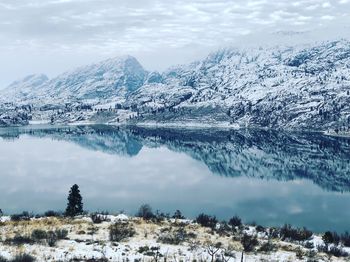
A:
(52, 36)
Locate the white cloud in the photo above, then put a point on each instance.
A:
(328, 17)
(326, 5)
(179, 30)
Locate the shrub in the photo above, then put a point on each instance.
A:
(297, 234)
(48, 237)
(309, 245)
(155, 253)
(322, 248)
(252, 223)
(224, 229)
(335, 251)
(207, 221)
(178, 215)
(260, 228)
(345, 239)
(61, 234)
(23, 258)
(268, 247)
(235, 221)
(19, 240)
(159, 217)
(120, 231)
(51, 213)
(299, 253)
(19, 258)
(145, 212)
(213, 248)
(143, 249)
(175, 237)
(51, 238)
(311, 255)
(20, 217)
(331, 237)
(249, 242)
(39, 235)
(79, 259)
(273, 232)
(98, 218)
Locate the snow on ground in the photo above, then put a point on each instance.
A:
(86, 240)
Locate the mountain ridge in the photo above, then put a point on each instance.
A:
(300, 87)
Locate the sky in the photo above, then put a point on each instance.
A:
(54, 36)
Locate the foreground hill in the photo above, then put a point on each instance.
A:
(103, 238)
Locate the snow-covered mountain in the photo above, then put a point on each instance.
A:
(101, 81)
(274, 87)
(280, 87)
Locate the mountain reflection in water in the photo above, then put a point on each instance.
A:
(288, 163)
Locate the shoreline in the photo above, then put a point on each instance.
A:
(334, 134)
(171, 125)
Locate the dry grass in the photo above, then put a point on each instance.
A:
(84, 231)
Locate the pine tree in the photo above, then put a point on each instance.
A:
(75, 204)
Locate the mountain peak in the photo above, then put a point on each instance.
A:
(102, 80)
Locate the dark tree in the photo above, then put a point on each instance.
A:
(178, 215)
(145, 211)
(75, 203)
(235, 221)
(331, 237)
(207, 221)
(328, 238)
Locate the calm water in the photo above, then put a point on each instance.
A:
(268, 177)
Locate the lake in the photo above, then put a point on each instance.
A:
(268, 177)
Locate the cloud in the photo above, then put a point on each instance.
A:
(105, 27)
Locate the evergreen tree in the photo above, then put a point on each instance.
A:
(75, 204)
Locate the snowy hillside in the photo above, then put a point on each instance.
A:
(286, 87)
(301, 87)
(25, 87)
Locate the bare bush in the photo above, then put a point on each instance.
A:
(121, 231)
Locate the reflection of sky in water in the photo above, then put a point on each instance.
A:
(36, 175)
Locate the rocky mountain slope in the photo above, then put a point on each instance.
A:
(283, 87)
(300, 87)
(99, 82)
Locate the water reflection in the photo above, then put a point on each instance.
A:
(300, 178)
